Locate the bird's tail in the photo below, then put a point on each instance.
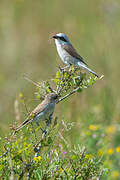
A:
(27, 121)
(87, 68)
(91, 71)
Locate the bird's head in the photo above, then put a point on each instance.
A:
(61, 39)
(52, 97)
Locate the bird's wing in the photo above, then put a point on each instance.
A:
(40, 107)
(70, 49)
(29, 119)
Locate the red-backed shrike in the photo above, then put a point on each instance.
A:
(68, 54)
(43, 111)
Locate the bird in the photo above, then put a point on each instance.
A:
(68, 54)
(43, 111)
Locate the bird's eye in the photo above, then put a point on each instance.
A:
(63, 39)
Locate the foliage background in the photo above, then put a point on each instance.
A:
(93, 28)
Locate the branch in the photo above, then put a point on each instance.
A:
(36, 84)
(4, 154)
(99, 177)
(11, 166)
(38, 146)
(30, 80)
(69, 94)
(4, 170)
(73, 91)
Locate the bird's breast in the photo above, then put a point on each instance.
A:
(63, 54)
(48, 110)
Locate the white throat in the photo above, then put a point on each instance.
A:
(62, 53)
(60, 42)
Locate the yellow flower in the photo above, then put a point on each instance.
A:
(89, 156)
(110, 129)
(67, 169)
(115, 174)
(60, 170)
(118, 149)
(93, 127)
(100, 152)
(110, 151)
(37, 159)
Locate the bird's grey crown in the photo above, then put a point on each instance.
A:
(62, 35)
(52, 96)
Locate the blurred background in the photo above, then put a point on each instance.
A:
(94, 29)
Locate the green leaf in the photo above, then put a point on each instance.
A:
(49, 140)
(58, 75)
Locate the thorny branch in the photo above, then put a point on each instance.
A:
(37, 148)
(99, 177)
(60, 86)
(4, 154)
(36, 84)
(11, 166)
(69, 94)
(30, 80)
(58, 91)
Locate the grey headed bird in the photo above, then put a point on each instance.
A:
(68, 54)
(43, 111)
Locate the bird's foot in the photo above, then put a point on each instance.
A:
(64, 68)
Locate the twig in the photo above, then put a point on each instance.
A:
(82, 155)
(11, 166)
(69, 94)
(30, 80)
(64, 171)
(3, 173)
(101, 77)
(99, 177)
(36, 84)
(52, 90)
(60, 135)
(26, 167)
(38, 146)
(28, 112)
(17, 112)
(73, 91)
(60, 86)
(4, 154)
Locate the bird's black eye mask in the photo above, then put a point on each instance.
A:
(63, 39)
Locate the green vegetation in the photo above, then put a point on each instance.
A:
(93, 28)
(36, 155)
